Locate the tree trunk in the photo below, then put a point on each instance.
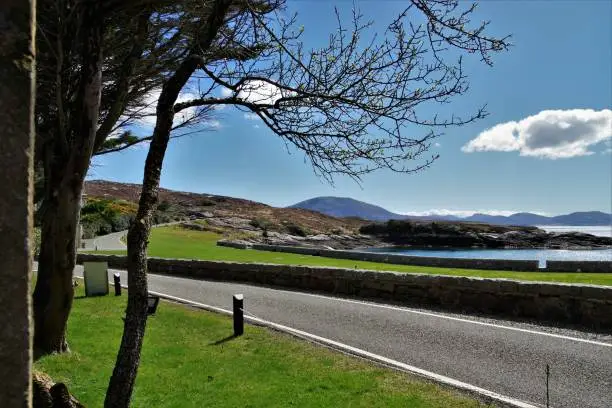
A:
(17, 69)
(53, 293)
(121, 384)
(67, 159)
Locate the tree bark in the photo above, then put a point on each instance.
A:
(66, 162)
(121, 384)
(54, 293)
(17, 71)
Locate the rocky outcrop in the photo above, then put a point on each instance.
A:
(470, 235)
(404, 233)
(326, 241)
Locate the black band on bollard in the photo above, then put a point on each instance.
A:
(238, 315)
(117, 279)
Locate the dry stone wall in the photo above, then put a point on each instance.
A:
(585, 305)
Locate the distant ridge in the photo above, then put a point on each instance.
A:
(348, 207)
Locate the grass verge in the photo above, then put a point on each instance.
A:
(175, 242)
(187, 361)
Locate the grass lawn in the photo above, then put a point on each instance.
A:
(175, 242)
(181, 365)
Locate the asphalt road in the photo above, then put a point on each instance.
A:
(106, 242)
(502, 356)
(112, 241)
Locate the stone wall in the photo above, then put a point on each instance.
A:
(486, 264)
(586, 305)
(580, 266)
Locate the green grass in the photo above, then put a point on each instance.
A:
(182, 367)
(175, 242)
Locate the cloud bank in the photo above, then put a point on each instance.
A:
(251, 116)
(550, 134)
(461, 213)
(258, 92)
(148, 115)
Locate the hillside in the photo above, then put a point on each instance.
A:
(227, 210)
(111, 206)
(348, 207)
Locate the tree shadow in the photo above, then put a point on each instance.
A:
(225, 340)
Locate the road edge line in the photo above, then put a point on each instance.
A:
(483, 394)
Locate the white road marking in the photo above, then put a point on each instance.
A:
(419, 312)
(363, 353)
(459, 319)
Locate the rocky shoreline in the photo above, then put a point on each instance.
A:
(423, 235)
(468, 235)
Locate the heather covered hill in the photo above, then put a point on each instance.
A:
(110, 207)
(186, 205)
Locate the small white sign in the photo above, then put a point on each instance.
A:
(96, 278)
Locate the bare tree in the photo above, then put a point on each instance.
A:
(136, 46)
(345, 106)
(122, 380)
(142, 43)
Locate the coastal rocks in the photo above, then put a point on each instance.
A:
(576, 239)
(312, 241)
(470, 235)
(403, 233)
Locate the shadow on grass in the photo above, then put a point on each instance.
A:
(225, 340)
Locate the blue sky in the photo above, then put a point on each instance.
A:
(559, 69)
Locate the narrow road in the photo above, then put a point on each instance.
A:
(110, 242)
(502, 356)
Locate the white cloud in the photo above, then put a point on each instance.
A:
(226, 92)
(437, 144)
(251, 116)
(258, 92)
(215, 124)
(148, 119)
(465, 213)
(261, 92)
(550, 134)
(459, 213)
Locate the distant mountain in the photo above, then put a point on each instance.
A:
(348, 207)
(584, 218)
(514, 219)
(589, 218)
